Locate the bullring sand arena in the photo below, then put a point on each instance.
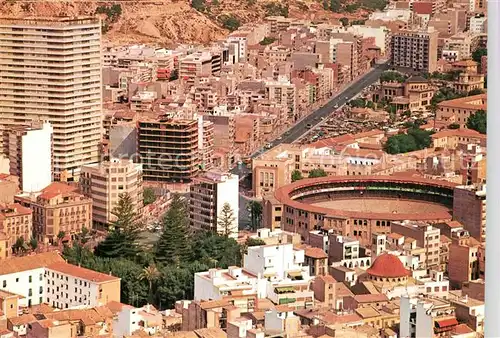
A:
(388, 198)
(383, 205)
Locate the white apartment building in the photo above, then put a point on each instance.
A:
(270, 271)
(30, 156)
(240, 40)
(129, 320)
(477, 24)
(425, 317)
(50, 70)
(207, 196)
(216, 284)
(345, 251)
(105, 182)
(275, 262)
(47, 278)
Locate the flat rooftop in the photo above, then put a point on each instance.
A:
(55, 21)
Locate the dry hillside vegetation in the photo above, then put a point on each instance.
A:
(167, 22)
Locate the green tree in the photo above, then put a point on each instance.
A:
(33, 243)
(454, 126)
(210, 248)
(373, 4)
(60, 235)
(226, 220)
(84, 235)
(422, 137)
(149, 196)
(267, 41)
(199, 5)
(276, 9)
(122, 240)
(344, 21)
(478, 54)
(392, 76)
(20, 245)
(477, 121)
(230, 22)
(335, 6)
(133, 290)
(400, 143)
(414, 139)
(318, 172)
(173, 245)
(358, 22)
(351, 8)
(296, 175)
(476, 91)
(151, 275)
(254, 242)
(358, 103)
(255, 208)
(174, 75)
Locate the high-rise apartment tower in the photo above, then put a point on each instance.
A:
(50, 71)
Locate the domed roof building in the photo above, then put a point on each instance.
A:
(388, 268)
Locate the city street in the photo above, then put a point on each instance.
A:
(299, 129)
(295, 132)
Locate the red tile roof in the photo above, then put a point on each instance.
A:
(461, 132)
(56, 188)
(447, 322)
(369, 298)
(13, 209)
(388, 266)
(79, 272)
(420, 7)
(327, 279)
(462, 329)
(18, 264)
(315, 253)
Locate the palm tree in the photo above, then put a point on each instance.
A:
(151, 274)
(60, 235)
(33, 243)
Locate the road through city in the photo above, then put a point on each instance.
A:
(300, 128)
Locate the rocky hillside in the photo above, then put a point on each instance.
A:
(168, 21)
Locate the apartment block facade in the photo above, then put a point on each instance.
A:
(106, 182)
(415, 50)
(427, 237)
(16, 222)
(50, 71)
(207, 196)
(59, 208)
(174, 149)
(47, 278)
(30, 156)
(469, 208)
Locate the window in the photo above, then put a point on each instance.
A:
(41, 276)
(30, 293)
(17, 280)
(30, 279)
(41, 289)
(4, 283)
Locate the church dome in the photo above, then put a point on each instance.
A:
(387, 266)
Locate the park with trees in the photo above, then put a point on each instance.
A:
(164, 273)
